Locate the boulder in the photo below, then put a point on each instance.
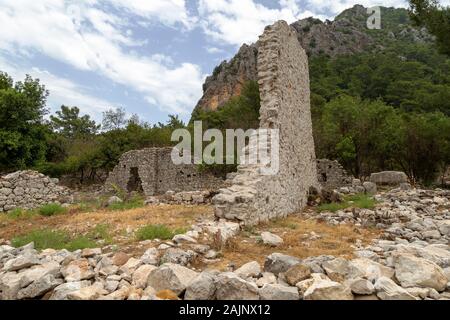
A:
(251, 269)
(62, 291)
(178, 256)
(370, 187)
(327, 290)
(140, 276)
(297, 273)
(336, 269)
(39, 287)
(271, 239)
(368, 269)
(388, 290)
(394, 178)
(417, 272)
(87, 293)
(361, 286)
(171, 277)
(267, 278)
(203, 287)
(26, 260)
(278, 292)
(151, 256)
(120, 258)
(77, 270)
(231, 287)
(278, 262)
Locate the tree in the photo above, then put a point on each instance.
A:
(22, 132)
(435, 18)
(68, 122)
(114, 119)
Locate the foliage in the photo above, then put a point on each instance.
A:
(161, 232)
(70, 124)
(49, 239)
(435, 18)
(51, 209)
(362, 201)
(114, 119)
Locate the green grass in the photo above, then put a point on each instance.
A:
(51, 209)
(20, 214)
(133, 203)
(362, 201)
(161, 232)
(102, 232)
(49, 239)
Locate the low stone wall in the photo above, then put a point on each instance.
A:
(152, 172)
(332, 175)
(29, 190)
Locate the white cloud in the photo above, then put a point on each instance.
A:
(241, 21)
(213, 50)
(90, 39)
(62, 90)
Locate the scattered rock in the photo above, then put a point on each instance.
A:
(203, 287)
(297, 273)
(388, 290)
(251, 269)
(278, 292)
(271, 239)
(231, 287)
(327, 290)
(171, 277)
(278, 262)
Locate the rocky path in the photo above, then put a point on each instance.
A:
(411, 260)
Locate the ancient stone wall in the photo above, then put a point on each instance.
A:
(332, 175)
(29, 190)
(283, 78)
(152, 172)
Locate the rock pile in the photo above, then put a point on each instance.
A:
(185, 197)
(29, 190)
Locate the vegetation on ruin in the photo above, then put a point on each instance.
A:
(159, 231)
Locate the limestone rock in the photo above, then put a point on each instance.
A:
(327, 290)
(251, 269)
(368, 269)
(151, 256)
(77, 270)
(203, 287)
(389, 178)
(120, 258)
(87, 293)
(178, 256)
(417, 272)
(277, 262)
(297, 273)
(39, 287)
(361, 286)
(370, 187)
(62, 291)
(271, 239)
(278, 292)
(21, 262)
(232, 287)
(140, 276)
(171, 277)
(388, 290)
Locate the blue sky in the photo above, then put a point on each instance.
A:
(147, 56)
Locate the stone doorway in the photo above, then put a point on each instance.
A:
(134, 183)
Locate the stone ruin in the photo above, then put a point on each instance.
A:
(332, 175)
(283, 78)
(29, 190)
(151, 172)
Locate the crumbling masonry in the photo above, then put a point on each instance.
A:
(152, 172)
(283, 78)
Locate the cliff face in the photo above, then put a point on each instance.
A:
(347, 34)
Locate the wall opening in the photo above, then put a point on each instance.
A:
(134, 183)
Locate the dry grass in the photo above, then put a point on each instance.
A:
(77, 223)
(334, 240)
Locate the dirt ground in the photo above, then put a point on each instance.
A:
(302, 237)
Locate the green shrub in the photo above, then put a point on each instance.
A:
(51, 209)
(332, 207)
(102, 232)
(362, 201)
(161, 232)
(133, 203)
(51, 239)
(20, 214)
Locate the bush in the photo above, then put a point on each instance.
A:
(362, 201)
(51, 209)
(133, 203)
(161, 232)
(50, 239)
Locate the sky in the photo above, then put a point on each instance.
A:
(149, 57)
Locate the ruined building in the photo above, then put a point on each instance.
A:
(152, 172)
(283, 78)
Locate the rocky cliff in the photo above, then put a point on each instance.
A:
(347, 34)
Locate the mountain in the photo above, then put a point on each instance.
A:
(346, 35)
